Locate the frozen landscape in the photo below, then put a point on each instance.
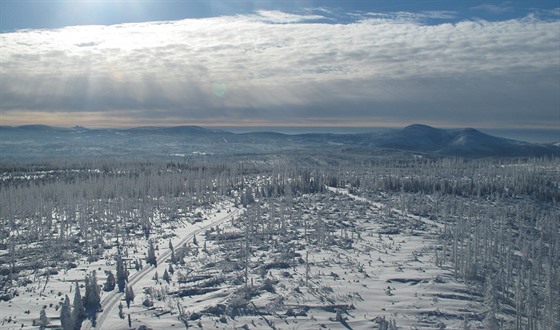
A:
(282, 232)
(294, 164)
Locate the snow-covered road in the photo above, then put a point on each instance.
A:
(111, 300)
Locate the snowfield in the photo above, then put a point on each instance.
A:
(359, 275)
(48, 290)
(394, 243)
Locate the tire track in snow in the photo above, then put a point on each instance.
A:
(110, 301)
(380, 206)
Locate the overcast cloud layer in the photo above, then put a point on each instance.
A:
(273, 67)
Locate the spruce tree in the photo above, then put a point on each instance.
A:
(121, 314)
(92, 297)
(96, 291)
(110, 282)
(128, 295)
(43, 319)
(66, 315)
(87, 292)
(78, 311)
(151, 259)
(171, 269)
(166, 277)
(490, 298)
(173, 257)
(122, 274)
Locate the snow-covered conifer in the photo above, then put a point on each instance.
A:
(43, 319)
(66, 315)
(128, 295)
(122, 273)
(78, 311)
(92, 296)
(166, 277)
(151, 259)
(110, 282)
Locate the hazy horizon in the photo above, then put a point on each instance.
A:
(532, 135)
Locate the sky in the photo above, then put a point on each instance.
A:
(280, 63)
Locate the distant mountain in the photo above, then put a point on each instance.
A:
(141, 129)
(41, 140)
(41, 128)
(173, 130)
(467, 142)
(29, 128)
(460, 142)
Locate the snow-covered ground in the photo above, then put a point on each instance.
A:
(22, 310)
(363, 275)
(331, 260)
(366, 267)
(259, 244)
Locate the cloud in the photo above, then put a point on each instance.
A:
(276, 67)
(409, 17)
(496, 9)
(279, 17)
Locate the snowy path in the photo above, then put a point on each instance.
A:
(381, 205)
(111, 301)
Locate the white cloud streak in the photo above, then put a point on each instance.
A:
(495, 9)
(278, 67)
